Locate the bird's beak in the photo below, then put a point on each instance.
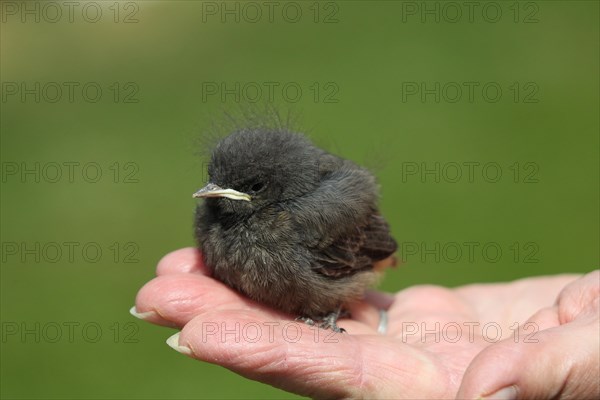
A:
(212, 190)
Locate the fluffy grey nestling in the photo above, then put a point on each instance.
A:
(290, 225)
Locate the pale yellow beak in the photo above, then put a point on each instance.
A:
(212, 190)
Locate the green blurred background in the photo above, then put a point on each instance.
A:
(360, 66)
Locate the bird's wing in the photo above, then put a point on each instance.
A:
(357, 250)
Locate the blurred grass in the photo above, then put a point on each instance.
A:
(170, 53)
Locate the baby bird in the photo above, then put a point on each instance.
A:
(290, 225)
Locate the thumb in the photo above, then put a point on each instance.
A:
(560, 362)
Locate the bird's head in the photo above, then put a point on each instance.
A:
(253, 168)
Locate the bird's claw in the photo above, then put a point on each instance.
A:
(329, 321)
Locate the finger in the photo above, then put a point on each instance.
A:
(173, 300)
(579, 297)
(187, 260)
(368, 311)
(379, 300)
(271, 351)
(545, 318)
(307, 360)
(507, 303)
(560, 362)
(364, 314)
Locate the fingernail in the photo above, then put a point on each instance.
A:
(507, 393)
(142, 315)
(173, 342)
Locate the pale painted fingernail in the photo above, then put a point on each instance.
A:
(507, 393)
(173, 342)
(142, 315)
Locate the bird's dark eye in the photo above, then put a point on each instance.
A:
(257, 187)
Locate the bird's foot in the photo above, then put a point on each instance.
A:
(328, 321)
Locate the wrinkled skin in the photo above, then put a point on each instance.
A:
(555, 356)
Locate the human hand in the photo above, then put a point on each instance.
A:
(433, 334)
(563, 361)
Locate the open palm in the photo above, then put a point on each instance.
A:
(433, 334)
